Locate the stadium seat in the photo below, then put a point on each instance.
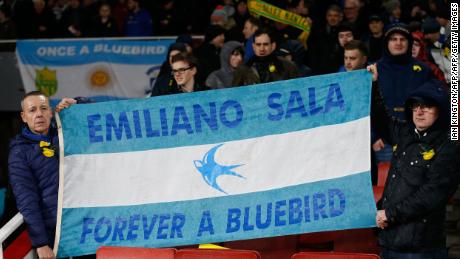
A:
(216, 254)
(19, 248)
(357, 241)
(384, 167)
(111, 252)
(333, 255)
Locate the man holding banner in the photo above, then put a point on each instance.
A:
(424, 174)
(34, 172)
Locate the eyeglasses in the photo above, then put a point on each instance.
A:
(180, 71)
(422, 107)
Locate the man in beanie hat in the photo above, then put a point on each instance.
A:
(423, 173)
(208, 53)
(399, 75)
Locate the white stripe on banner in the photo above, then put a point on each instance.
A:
(173, 169)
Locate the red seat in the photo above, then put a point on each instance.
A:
(357, 241)
(384, 167)
(216, 254)
(112, 252)
(325, 255)
(19, 248)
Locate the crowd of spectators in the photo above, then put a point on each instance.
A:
(334, 23)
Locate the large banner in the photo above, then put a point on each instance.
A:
(100, 69)
(267, 160)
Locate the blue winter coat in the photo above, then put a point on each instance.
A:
(400, 75)
(34, 178)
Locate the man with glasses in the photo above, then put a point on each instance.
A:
(184, 70)
(424, 173)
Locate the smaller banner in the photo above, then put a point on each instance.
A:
(100, 69)
(280, 15)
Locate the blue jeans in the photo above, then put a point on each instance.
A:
(436, 254)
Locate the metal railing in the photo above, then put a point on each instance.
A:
(8, 229)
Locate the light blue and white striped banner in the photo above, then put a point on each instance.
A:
(273, 159)
(100, 69)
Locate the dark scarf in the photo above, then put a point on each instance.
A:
(262, 65)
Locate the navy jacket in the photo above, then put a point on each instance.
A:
(34, 178)
(400, 75)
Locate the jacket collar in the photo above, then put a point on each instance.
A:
(36, 137)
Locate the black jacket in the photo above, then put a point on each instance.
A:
(172, 88)
(424, 173)
(264, 69)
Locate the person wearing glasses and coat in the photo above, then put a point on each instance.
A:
(424, 172)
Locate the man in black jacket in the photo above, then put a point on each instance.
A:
(264, 66)
(424, 173)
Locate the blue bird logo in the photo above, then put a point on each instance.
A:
(210, 170)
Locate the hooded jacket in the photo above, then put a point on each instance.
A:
(165, 82)
(34, 178)
(223, 77)
(400, 75)
(424, 173)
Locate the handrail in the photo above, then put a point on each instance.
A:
(9, 228)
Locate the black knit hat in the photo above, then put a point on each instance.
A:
(375, 17)
(212, 32)
(400, 28)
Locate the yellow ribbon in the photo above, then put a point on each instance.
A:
(427, 155)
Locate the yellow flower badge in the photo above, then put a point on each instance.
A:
(272, 68)
(446, 52)
(44, 144)
(417, 68)
(395, 147)
(427, 155)
(48, 152)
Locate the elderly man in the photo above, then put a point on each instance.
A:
(424, 173)
(33, 166)
(33, 171)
